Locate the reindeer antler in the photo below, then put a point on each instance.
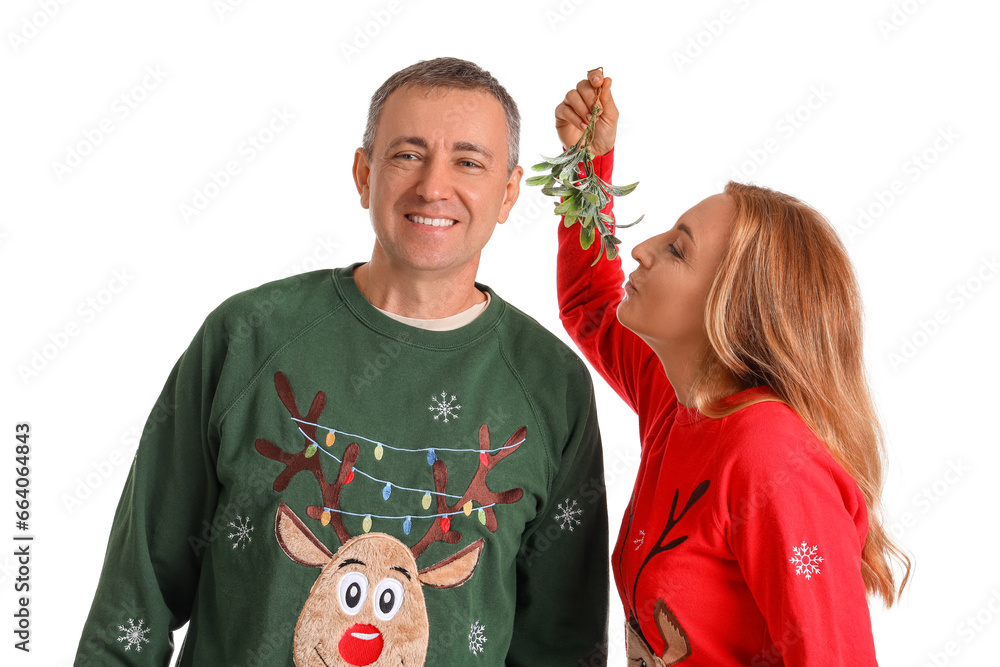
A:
(300, 461)
(297, 462)
(478, 490)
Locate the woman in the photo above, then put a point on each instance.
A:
(753, 535)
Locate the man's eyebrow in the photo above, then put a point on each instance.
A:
(473, 148)
(687, 230)
(416, 141)
(466, 146)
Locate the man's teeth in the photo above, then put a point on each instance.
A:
(433, 222)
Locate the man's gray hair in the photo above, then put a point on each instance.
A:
(447, 73)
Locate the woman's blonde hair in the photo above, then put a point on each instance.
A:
(785, 311)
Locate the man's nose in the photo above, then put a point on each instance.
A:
(435, 180)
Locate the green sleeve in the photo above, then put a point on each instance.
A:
(562, 576)
(163, 522)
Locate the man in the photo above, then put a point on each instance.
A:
(450, 508)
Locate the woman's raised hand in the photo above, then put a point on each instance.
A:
(573, 113)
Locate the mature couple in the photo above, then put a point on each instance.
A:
(451, 511)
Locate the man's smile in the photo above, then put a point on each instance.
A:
(433, 222)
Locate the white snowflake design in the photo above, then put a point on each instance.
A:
(477, 637)
(806, 559)
(445, 407)
(134, 635)
(567, 515)
(639, 540)
(241, 536)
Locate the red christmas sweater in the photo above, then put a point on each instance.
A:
(742, 541)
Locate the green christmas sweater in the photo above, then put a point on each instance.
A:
(334, 487)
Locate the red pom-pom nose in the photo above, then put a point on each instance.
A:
(361, 644)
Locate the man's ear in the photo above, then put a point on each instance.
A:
(361, 173)
(512, 190)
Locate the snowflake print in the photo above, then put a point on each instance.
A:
(477, 637)
(639, 540)
(242, 530)
(567, 515)
(806, 559)
(444, 407)
(134, 635)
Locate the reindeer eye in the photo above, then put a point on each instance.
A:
(388, 598)
(352, 591)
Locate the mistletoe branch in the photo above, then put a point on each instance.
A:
(584, 193)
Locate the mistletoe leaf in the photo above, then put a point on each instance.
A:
(564, 206)
(555, 191)
(632, 223)
(571, 176)
(568, 172)
(563, 158)
(620, 190)
(543, 180)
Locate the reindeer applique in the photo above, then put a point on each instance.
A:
(367, 607)
(676, 645)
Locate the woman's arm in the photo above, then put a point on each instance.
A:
(797, 524)
(589, 295)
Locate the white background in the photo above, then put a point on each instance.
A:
(884, 79)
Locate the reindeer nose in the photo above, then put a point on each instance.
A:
(361, 644)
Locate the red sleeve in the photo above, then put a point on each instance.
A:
(797, 524)
(588, 303)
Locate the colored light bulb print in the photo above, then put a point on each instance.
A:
(325, 625)
(378, 452)
(330, 439)
(310, 451)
